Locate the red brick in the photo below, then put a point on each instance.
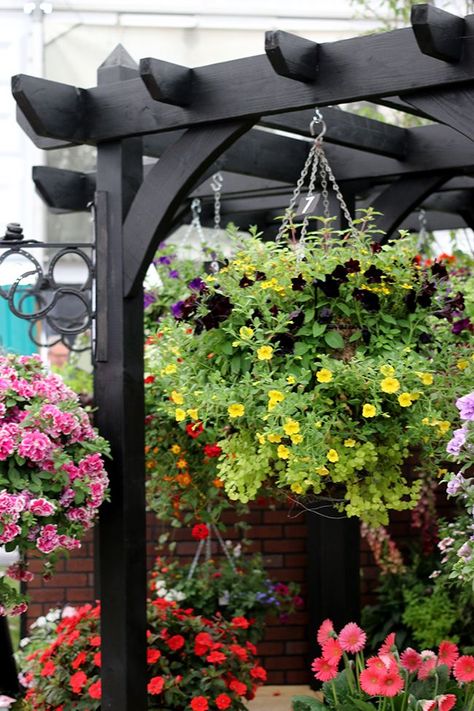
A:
(281, 546)
(276, 516)
(293, 648)
(276, 677)
(298, 677)
(296, 530)
(270, 648)
(283, 662)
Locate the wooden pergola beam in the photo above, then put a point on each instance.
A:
(366, 68)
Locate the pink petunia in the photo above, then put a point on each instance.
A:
(352, 638)
(41, 507)
(464, 669)
(411, 659)
(448, 653)
(323, 669)
(325, 632)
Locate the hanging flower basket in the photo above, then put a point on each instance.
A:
(322, 368)
(52, 477)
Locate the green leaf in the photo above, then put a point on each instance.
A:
(302, 347)
(334, 339)
(307, 703)
(226, 348)
(318, 329)
(355, 336)
(363, 705)
(235, 363)
(389, 319)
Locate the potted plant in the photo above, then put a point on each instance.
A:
(318, 371)
(52, 476)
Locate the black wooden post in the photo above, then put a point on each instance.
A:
(120, 401)
(8, 676)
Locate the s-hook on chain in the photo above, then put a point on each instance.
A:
(217, 181)
(316, 163)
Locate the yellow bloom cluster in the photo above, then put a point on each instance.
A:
(369, 410)
(265, 353)
(274, 397)
(236, 410)
(390, 385)
(324, 375)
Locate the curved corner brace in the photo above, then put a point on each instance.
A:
(164, 188)
(398, 200)
(452, 106)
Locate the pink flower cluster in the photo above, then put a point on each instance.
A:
(389, 674)
(385, 551)
(52, 459)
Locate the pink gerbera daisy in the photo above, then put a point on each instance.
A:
(380, 663)
(446, 702)
(325, 632)
(352, 638)
(429, 661)
(370, 680)
(411, 659)
(427, 705)
(464, 669)
(448, 653)
(389, 642)
(391, 683)
(332, 651)
(323, 669)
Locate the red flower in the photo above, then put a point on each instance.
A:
(153, 655)
(156, 685)
(194, 429)
(48, 669)
(223, 702)
(97, 658)
(95, 641)
(216, 658)
(212, 450)
(200, 532)
(202, 643)
(176, 642)
(77, 681)
(464, 669)
(149, 379)
(239, 687)
(258, 673)
(240, 652)
(95, 690)
(448, 653)
(80, 659)
(199, 703)
(240, 623)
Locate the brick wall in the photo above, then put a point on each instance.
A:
(282, 542)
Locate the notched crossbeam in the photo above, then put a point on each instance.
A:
(438, 33)
(64, 190)
(292, 56)
(167, 82)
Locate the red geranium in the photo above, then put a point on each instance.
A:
(212, 450)
(153, 655)
(223, 701)
(199, 703)
(95, 690)
(194, 429)
(240, 622)
(176, 642)
(200, 532)
(216, 658)
(77, 682)
(239, 687)
(156, 685)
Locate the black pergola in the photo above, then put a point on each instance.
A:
(245, 117)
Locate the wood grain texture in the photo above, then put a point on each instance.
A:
(292, 56)
(452, 106)
(64, 190)
(439, 33)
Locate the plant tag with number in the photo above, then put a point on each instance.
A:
(307, 205)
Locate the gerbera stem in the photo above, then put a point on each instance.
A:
(334, 692)
(349, 673)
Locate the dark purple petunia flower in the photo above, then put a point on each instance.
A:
(368, 299)
(439, 270)
(330, 286)
(165, 259)
(340, 273)
(148, 299)
(245, 282)
(173, 274)
(298, 283)
(177, 309)
(197, 284)
(463, 324)
(352, 266)
(374, 275)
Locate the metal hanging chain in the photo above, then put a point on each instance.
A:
(195, 224)
(217, 182)
(204, 546)
(316, 162)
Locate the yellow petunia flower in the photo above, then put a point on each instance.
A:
(261, 438)
(462, 364)
(180, 415)
(265, 353)
(283, 452)
(390, 385)
(405, 400)
(297, 488)
(175, 448)
(332, 456)
(318, 424)
(350, 443)
(274, 438)
(296, 438)
(444, 426)
(274, 397)
(387, 370)
(322, 471)
(324, 375)
(177, 398)
(291, 380)
(193, 413)
(236, 409)
(246, 332)
(426, 378)
(369, 410)
(291, 427)
(170, 369)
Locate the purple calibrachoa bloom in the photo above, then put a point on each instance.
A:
(197, 284)
(465, 406)
(173, 274)
(177, 309)
(148, 299)
(455, 444)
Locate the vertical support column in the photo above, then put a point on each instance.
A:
(8, 675)
(333, 570)
(119, 397)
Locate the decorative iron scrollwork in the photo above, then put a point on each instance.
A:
(36, 294)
